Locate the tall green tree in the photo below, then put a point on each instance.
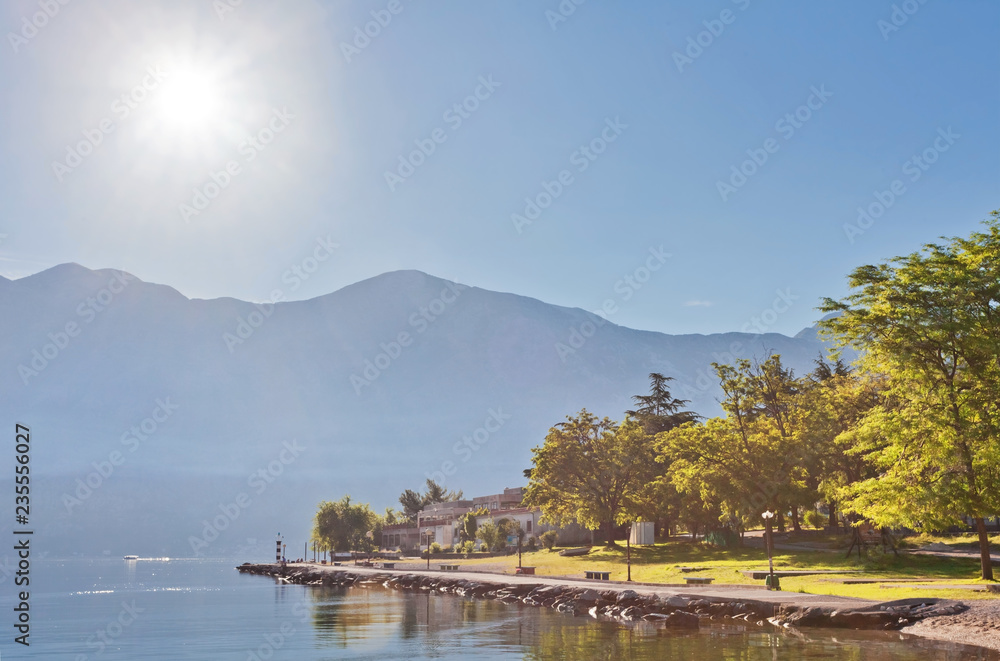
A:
(345, 526)
(930, 323)
(750, 459)
(414, 502)
(595, 472)
(660, 411)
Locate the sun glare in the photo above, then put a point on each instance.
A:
(188, 99)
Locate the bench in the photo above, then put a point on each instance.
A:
(598, 575)
(388, 565)
(448, 567)
(525, 570)
(698, 580)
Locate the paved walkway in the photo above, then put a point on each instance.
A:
(662, 590)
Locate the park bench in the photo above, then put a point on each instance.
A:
(698, 580)
(388, 565)
(449, 567)
(525, 570)
(598, 575)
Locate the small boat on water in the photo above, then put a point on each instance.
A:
(131, 557)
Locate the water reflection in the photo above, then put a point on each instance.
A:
(390, 624)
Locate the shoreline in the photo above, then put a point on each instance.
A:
(673, 605)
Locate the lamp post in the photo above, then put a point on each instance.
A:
(772, 583)
(429, 531)
(628, 551)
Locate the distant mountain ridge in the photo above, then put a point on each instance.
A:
(378, 382)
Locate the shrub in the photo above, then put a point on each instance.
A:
(484, 548)
(467, 547)
(814, 519)
(435, 548)
(532, 544)
(549, 539)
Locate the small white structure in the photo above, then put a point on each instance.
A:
(642, 533)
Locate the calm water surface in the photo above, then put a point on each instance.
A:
(110, 609)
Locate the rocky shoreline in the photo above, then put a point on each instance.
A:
(680, 611)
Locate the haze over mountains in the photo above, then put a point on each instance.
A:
(174, 407)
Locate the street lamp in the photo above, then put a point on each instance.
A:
(628, 550)
(429, 531)
(772, 582)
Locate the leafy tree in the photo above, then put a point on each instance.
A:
(549, 539)
(344, 526)
(835, 399)
(930, 323)
(493, 538)
(467, 525)
(660, 411)
(750, 459)
(414, 502)
(595, 472)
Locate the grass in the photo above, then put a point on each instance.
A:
(661, 564)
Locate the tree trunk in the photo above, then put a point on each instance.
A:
(984, 549)
(795, 519)
(611, 532)
(780, 520)
(832, 524)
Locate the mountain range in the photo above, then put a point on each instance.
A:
(151, 414)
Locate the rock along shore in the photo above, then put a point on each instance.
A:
(681, 611)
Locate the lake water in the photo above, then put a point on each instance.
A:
(109, 609)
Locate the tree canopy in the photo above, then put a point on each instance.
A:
(929, 322)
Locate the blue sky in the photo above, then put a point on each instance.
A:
(338, 111)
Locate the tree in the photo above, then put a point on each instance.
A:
(930, 323)
(414, 502)
(467, 524)
(660, 411)
(344, 526)
(492, 535)
(750, 459)
(835, 398)
(595, 472)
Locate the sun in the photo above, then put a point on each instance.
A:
(188, 99)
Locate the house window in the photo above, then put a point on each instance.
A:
(527, 528)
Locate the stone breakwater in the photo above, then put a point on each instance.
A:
(680, 611)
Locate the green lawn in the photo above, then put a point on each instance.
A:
(661, 564)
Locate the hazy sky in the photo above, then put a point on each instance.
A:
(618, 120)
